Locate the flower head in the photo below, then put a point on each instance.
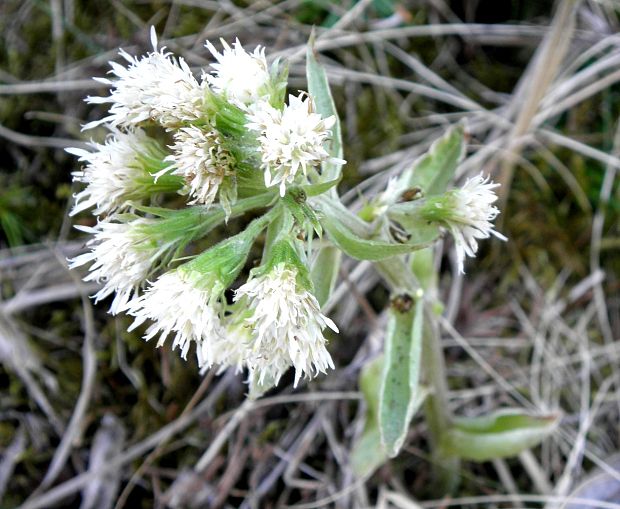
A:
(241, 76)
(181, 307)
(290, 139)
(467, 213)
(202, 160)
(114, 171)
(287, 324)
(155, 87)
(188, 301)
(122, 257)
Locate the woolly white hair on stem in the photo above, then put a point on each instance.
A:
(287, 324)
(290, 139)
(155, 87)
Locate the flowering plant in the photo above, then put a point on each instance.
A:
(232, 143)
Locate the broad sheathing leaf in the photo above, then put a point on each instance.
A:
(327, 263)
(501, 434)
(322, 274)
(368, 453)
(435, 170)
(400, 394)
(364, 249)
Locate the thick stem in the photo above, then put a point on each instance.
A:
(436, 407)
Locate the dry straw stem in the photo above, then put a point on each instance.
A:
(536, 81)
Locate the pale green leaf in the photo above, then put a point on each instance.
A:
(501, 434)
(363, 249)
(368, 453)
(316, 189)
(327, 262)
(324, 272)
(400, 394)
(370, 385)
(318, 87)
(423, 268)
(435, 170)
(407, 216)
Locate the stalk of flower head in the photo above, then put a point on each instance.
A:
(283, 320)
(188, 301)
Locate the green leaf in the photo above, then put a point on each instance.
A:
(400, 394)
(12, 228)
(230, 120)
(318, 87)
(368, 453)
(324, 272)
(364, 249)
(419, 230)
(370, 383)
(434, 171)
(501, 434)
(316, 189)
(423, 268)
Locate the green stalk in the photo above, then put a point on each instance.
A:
(239, 208)
(436, 408)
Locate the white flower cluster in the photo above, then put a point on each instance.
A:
(114, 172)
(230, 128)
(155, 87)
(470, 216)
(201, 159)
(159, 88)
(278, 324)
(242, 77)
(286, 324)
(290, 139)
(177, 306)
(121, 258)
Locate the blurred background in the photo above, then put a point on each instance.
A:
(535, 320)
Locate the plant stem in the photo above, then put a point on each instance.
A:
(215, 216)
(436, 406)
